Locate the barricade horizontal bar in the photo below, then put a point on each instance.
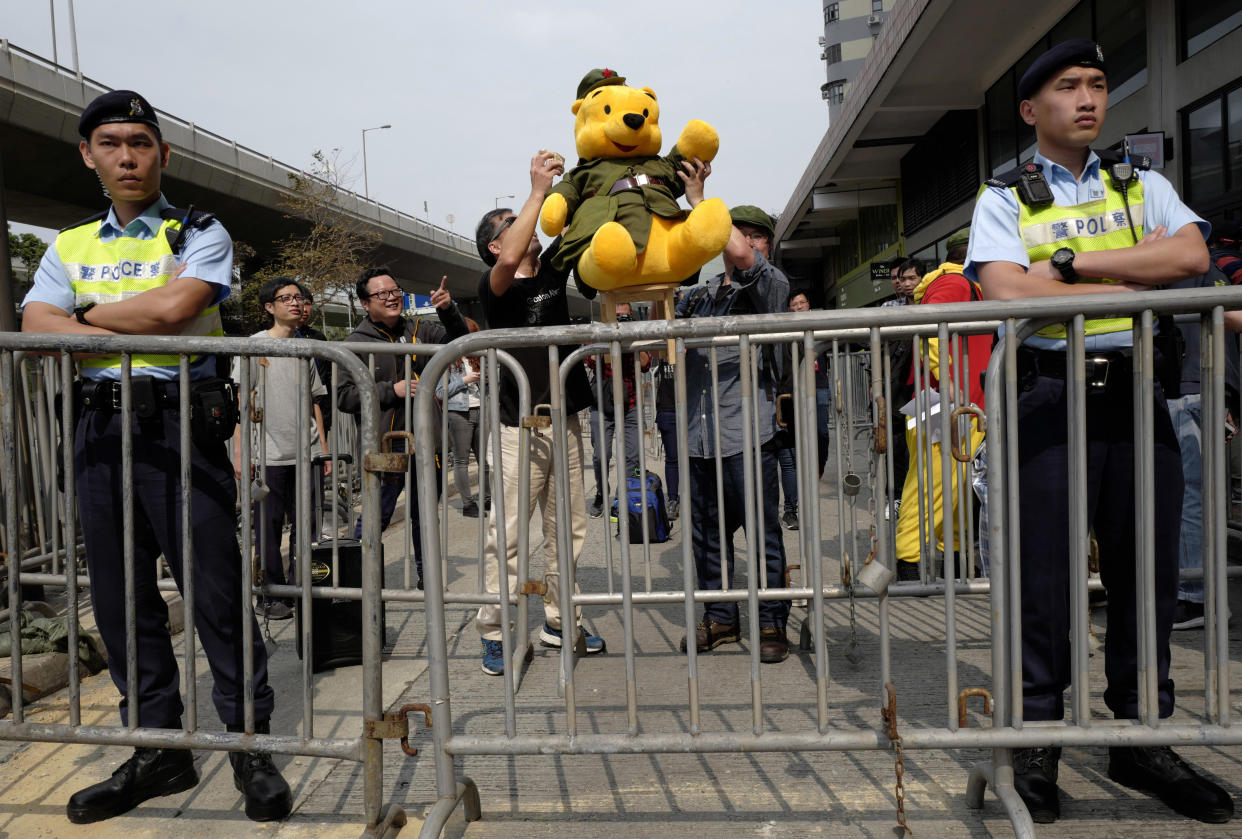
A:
(99, 735)
(937, 738)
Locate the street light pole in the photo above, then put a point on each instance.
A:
(498, 197)
(366, 186)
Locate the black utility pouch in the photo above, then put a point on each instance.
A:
(144, 398)
(213, 410)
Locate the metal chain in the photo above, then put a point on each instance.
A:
(888, 714)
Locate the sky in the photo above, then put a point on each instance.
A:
(472, 89)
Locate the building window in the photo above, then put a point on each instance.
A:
(877, 6)
(1202, 22)
(832, 53)
(833, 92)
(832, 12)
(1119, 26)
(1212, 138)
(941, 171)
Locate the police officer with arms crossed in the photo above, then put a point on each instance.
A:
(1063, 228)
(143, 268)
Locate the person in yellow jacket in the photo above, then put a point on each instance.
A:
(921, 519)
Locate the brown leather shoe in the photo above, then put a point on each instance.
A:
(773, 644)
(709, 635)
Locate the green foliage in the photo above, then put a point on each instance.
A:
(26, 249)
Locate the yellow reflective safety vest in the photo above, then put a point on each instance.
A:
(1093, 226)
(105, 272)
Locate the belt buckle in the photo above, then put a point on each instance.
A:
(1097, 372)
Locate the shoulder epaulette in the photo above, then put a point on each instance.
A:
(199, 219)
(1006, 180)
(1108, 157)
(88, 220)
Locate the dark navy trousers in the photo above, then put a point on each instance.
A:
(218, 588)
(706, 515)
(1043, 481)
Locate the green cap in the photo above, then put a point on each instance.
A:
(755, 217)
(960, 239)
(598, 78)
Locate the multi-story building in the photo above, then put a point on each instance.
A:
(850, 26)
(932, 112)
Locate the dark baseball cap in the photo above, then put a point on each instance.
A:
(1080, 52)
(117, 106)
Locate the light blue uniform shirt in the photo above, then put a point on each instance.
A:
(995, 237)
(207, 255)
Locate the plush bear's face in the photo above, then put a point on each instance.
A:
(617, 121)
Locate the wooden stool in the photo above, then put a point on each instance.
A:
(662, 293)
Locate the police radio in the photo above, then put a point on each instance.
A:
(1033, 187)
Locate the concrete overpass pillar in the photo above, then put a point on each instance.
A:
(8, 320)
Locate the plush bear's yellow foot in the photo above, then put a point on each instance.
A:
(698, 239)
(611, 257)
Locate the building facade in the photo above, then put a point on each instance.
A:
(925, 121)
(850, 27)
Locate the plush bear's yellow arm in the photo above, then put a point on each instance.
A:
(700, 140)
(552, 216)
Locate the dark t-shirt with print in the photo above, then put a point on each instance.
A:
(533, 301)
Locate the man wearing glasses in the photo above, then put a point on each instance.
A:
(383, 301)
(521, 290)
(277, 436)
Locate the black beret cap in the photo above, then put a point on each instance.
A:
(117, 106)
(1080, 52)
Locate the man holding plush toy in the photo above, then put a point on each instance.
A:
(522, 290)
(749, 285)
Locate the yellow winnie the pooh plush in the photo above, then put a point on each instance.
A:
(625, 227)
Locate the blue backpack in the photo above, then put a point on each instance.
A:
(657, 513)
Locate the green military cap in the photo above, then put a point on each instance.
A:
(755, 217)
(598, 78)
(960, 239)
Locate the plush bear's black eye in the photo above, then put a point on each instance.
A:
(645, 112)
(608, 109)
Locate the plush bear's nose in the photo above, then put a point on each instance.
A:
(634, 121)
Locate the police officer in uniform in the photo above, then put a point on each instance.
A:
(145, 268)
(1075, 222)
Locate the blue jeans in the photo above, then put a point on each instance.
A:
(1186, 413)
(823, 404)
(789, 477)
(666, 421)
(705, 519)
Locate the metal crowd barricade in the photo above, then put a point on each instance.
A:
(807, 335)
(363, 745)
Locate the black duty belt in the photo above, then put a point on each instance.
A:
(148, 395)
(1099, 367)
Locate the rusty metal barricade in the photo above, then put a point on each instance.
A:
(862, 476)
(22, 391)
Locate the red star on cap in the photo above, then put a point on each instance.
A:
(607, 73)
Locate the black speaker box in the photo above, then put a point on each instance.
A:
(336, 625)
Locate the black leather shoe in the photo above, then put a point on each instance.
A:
(1035, 778)
(773, 644)
(148, 774)
(258, 780)
(1159, 771)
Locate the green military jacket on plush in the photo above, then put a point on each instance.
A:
(585, 189)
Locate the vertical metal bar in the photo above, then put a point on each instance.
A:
(1079, 533)
(248, 560)
(67, 430)
(948, 500)
(725, 568)
(372, 614)
(752, 549)
(844, 436)
(447, 466)
(1144, 520)
(599, 451)
(187, 552)
(1216, 515)
(1208, 408)
(885, 552)
(127, 520)
(298, 550)
(565, 558)
(512, 656)
(407, 405)
(14, 561)
(812, 556)
(627, 577)
(639, 407)
(1012, 525)
(688, 567)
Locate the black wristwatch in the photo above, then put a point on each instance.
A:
(1063, 261)
(80, 313)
